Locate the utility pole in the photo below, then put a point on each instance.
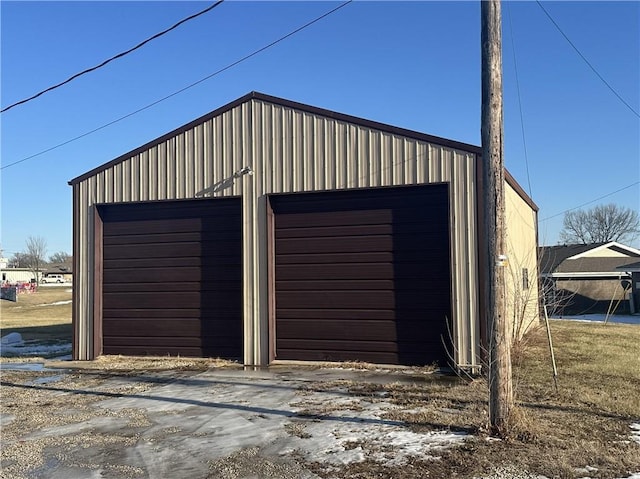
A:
(500, 387)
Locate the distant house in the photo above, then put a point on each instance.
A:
(17, 275)
(583, 279)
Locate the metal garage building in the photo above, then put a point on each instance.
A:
(272, 230)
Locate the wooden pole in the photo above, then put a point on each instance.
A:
(500, 382)
(553, 354)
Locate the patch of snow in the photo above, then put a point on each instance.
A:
(635, 432)
(21, 349)
(11, 338)
(6, 419)
(586, 470)
(36, 367)
(56, 303)
(511, 472)
(322, 426)
(601, 318)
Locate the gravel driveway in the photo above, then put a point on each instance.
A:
(222, 423)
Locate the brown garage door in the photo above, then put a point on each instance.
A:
(172, 278)
(363, 275)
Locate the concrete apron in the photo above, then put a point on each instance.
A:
(230, 423)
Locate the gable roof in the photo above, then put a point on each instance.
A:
(576, 258)
(312, 110)
(552, 256)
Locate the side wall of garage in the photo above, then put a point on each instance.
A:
(290, 148)
(522, 277)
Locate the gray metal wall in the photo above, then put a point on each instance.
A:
(289, 150)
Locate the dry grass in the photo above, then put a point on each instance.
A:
(586, 423)
(44, 316)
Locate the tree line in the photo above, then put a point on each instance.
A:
(34, 256)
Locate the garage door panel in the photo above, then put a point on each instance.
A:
(133, 314)
(407, 244)
(371, 271)
(138, 350)
(123, 227)
(363, 275)
(149, 327)
(289, 220)
(349, 203)
(363, 329)
(177, 287)
(196, 300)
(377, 357)
(151, 275)
(332, 258)
(223, 272)
(353, 244)
(161, 263)
(169, 210)
(172, 250)
(334, 231)
(376, 299)
(332, 271)
(336, 299)
(391, 228)
(333, 285)
(172, 278)
(147, 238)
(181, 230)
(178, 327)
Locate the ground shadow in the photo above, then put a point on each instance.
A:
(207, 404)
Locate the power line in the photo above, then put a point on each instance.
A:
(115, 57)
(246, 57)
(592, 201)
(587, 61)
(515, 66)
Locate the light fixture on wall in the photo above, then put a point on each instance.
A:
(226, 183)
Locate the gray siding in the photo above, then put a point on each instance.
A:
(290, 150)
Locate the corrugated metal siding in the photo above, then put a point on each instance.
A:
(290, 151)
(523, 306)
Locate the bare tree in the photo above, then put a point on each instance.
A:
(600, 224)
(60, 257)
(18, 260)
(36, 251)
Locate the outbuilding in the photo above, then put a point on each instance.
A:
(271, 230)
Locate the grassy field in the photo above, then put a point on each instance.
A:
(586, 423)
(44, 316)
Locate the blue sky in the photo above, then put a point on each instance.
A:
(411, 64)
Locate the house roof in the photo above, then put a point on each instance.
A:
(552, 256)
(313, 110)
(63, 268)
(632, 267)
(585, 259)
